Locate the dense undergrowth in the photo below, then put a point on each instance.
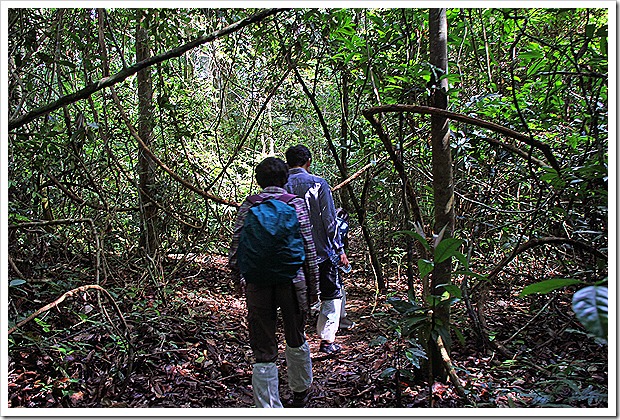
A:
(187, 346)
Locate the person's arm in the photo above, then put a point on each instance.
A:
(232, 252)
(311, 262)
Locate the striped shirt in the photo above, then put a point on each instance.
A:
(310, 264)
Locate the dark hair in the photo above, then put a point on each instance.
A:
(272, 172)
(297, 155)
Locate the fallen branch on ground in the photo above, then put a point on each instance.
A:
(445, 357)
(69, 294)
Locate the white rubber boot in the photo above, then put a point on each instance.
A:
(299, 367)
(265, 385)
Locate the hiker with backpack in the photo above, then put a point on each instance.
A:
(329, 247)
(273, 258)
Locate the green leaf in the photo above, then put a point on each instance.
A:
(402, 306)
(547, 286)
(458, 333)
(462, 258)
(453, 290)
(412, 322)
(447, 249)
(378, 341)
(425, 267)
(414, 355)
(16, 282)
(530, 54)
(590, 305)
(388, 373)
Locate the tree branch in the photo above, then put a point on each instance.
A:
(161, 164)
(544, 241)
(129, 71)
(68, 222)
(357, 174)
(427, 110)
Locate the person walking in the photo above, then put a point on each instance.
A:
(273, 260)
(329, 247)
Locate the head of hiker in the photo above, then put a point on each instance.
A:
(271, 172)
(298, 156)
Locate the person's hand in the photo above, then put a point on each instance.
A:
(240, 287)
(344, 261)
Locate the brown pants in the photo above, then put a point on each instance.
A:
(263, 303)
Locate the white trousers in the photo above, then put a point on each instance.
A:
(329, 319)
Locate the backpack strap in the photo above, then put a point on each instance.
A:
(255, 199)
(287, 198)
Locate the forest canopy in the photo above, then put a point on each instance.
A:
(132, 139)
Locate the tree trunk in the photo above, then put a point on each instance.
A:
(442, 169)
(344, 135)
(408, 224)
(148, 237)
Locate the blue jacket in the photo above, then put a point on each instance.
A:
(318, 197)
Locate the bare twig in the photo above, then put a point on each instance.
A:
(14, 267)
(544, 241)
(357, 174)
(527, 324)
(68, 222)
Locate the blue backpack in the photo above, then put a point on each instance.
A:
(271, 249)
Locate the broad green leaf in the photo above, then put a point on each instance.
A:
(530, 54)
(453, 290)
(458, 333)
(402, 306)
(446, 249)
(590, 305)
(378, 341)
(411, 322)
(388, 373)
(414, 356)
(462, 258)
(547, 286)
(425, 267)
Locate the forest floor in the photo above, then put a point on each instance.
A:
(191, 350)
